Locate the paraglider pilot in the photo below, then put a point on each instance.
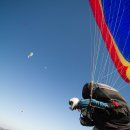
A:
(102, 107)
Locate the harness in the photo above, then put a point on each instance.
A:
(87, 112)
(114, 104)
(117, 105)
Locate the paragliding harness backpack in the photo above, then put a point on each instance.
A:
(105, 93)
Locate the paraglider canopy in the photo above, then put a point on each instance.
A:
(30, 55)
(112, 18)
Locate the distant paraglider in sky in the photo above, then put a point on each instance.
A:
(45, 67)
(30, 55)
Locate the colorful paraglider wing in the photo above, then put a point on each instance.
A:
(113, 20)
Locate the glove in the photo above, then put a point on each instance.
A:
(86, 121)
(83, 121)
(73, 102)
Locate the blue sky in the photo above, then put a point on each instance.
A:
(34, 92)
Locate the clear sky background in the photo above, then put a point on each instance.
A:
(63, 36)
